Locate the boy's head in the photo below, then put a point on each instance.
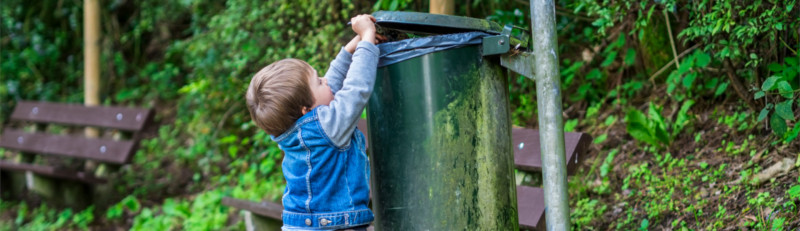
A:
(284, 91)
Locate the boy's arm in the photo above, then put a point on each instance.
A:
(338, 69)
(339, 119)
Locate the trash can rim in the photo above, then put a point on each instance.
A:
(434, 23)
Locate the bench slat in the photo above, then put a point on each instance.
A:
(527, 152)
(123, 118)
(266, 209)
(52, 172)
(530, 207)
(110, 151)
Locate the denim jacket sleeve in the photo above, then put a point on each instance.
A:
(338, 69)
(339, 119)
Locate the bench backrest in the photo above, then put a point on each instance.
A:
(104, 150)
(122, 118)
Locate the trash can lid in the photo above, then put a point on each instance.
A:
(434, 23)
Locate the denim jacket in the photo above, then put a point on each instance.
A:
(325, 164)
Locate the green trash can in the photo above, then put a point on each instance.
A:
(440, 131)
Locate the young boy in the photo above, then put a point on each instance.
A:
(313, 120)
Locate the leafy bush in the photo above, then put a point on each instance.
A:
(653, 128)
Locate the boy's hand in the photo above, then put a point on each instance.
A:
(351, 46)
(364, 26)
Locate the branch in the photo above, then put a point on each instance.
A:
(787, 45)
(664, 68)
(671, 42)
(737, 85)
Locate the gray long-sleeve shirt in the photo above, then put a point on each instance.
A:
(351, 80)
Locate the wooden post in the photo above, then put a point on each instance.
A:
(91, 61)
(442, 7)
(91, 56)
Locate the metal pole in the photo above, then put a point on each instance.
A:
(551, 124)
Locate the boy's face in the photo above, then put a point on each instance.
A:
(320, 89)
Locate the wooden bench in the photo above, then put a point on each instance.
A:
(527, 157)
(54, 166)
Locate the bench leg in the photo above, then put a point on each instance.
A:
(105, 194)
(13, 185)
(43, 186)
(254, 222)
(74, 194)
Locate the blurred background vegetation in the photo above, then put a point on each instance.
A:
(687, 101)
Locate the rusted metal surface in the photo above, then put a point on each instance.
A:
(123, 118)
(117, 152)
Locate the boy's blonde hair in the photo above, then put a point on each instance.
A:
(277, 94)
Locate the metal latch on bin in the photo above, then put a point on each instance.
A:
(497, 44)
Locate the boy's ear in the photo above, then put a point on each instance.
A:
(305, 110)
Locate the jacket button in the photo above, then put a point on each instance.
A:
(324, 222)
(308, 222)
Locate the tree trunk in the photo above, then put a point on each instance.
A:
(741, 91)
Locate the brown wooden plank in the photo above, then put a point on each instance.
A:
(123, 118)
(110, 151)
(527, 152)
(530, 207)
(51, 171)
(266, 209)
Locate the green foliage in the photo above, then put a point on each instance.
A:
(46, 218)
(129, 203)
(653, 128)
(673, 187)
(392, 5)
(37, 54)
(731, 28)
(778, 88)
(794, 192)
(689, 80)
(605, 169)
(585, 211)
(609, 13)
(203, 212)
